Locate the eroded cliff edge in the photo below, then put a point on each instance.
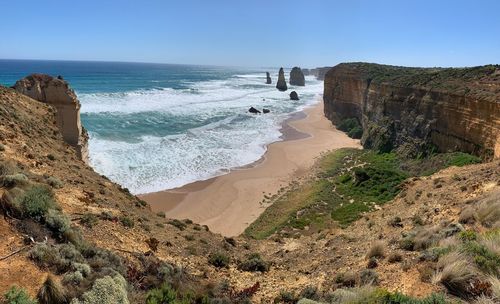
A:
(57, 92)
(415, 110)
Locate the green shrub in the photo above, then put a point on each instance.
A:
(254, 262)
(106, 290)
(37, 200)
(58, 258)
(57, 221)
(218, 260)
(179, 224)
(16, 295)
(356, 132)
(467, 235)
(89, 220)
(163, 295)
(460, 159)
(54, 182)
(74, 278)
(348, 124)
(161, 214)
(127, 221)
(14, 180)
(485, 259)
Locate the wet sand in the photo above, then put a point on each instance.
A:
(227, 204)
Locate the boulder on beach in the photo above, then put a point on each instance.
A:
(297, 77)
(281, 84)
(268, 78)
(294, 96)
(265, 111)
(253, 110)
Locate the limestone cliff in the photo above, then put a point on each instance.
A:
(57, 92)
(417, 109)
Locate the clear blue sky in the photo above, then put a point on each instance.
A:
(254, 33)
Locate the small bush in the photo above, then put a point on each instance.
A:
(395, 257)
(14, 180)
(161, 214)
(127, 221)
(89, 220)
(164, 294)
(74, 278)
(37, 201)
(347, 279)
(377, 250)
(356, 132)
(348, 124)
(16, 295)
(467, 236)
(467, 216)
(106, 290)
(368, 277)
(372, 263)
(254, 262)
(179, 224)
(488, 212)
(54, 182)
(51, 292)
(218, 260)
(310, 292)
(57, 221)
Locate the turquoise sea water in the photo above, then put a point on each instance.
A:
(159, 126)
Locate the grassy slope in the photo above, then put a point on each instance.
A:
(348, 183)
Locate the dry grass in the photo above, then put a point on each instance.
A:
(353, 295)
(51, 292)
(377, 250)
(488, 211)
(495, 287)
(455, 273)
(467, 216)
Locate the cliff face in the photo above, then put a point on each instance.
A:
(56, 92)
(414, 110)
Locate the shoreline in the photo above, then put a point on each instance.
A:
(228, 203)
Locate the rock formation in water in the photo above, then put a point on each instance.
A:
(297, 77)
(281, 84)
(319, 73)
(253, 110)
(416, 110)
(265, 111)
(57, 92)
(294, 96)
(268, 78)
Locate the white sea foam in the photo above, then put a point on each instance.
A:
(239, 138)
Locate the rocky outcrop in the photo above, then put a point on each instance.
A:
(281, 84)
(57, 92)
(297, 77)
(268, 78)
(253, 110)
(265, 111)
(294, 96)
(415, 110)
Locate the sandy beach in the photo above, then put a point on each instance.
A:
(229, 203)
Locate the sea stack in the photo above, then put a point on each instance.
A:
(281, 84)
(57, 92)
(268, 78)
(294, 96)
(297, 77)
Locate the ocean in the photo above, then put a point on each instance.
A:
(159, 126)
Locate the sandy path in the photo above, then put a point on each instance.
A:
(229, 203)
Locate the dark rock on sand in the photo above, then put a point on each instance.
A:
(281, 84)
(265, 111)
(253, 110)
(268, 78)
(294, 96)
(297, 77)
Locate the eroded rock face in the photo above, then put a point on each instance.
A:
(57, 92)
(297, 77)
(294, 96)
(268, 78)
(416, 110)
(281, 84)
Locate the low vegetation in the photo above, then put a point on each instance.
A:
(348, 183)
